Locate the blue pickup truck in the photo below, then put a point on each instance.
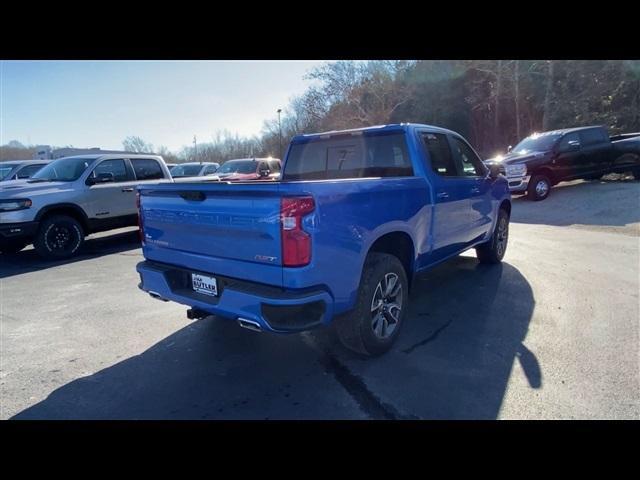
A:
(337, 241)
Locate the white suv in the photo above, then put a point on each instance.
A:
(72, 197)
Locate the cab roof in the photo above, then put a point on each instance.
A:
(376, 128)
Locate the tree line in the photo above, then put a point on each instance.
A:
(492, 103)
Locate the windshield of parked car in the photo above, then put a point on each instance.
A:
(186, 170)
(62, 170)
(5, 169)
(240, 166)
(536, 143)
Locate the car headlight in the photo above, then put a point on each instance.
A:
(11, 205)
(519, 170)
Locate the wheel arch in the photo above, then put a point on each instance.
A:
(70, 209)
(547, 172)
(399, 244)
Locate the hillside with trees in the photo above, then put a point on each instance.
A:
(493, 103)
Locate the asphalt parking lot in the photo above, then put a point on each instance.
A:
(552, 333)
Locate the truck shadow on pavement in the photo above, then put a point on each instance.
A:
(465, 332)
(28, 260)
(613, 203)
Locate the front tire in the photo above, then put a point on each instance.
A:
(373, 325)
(493, 251)
(539, 188)
(58, 237)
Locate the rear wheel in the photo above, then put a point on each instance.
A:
(373, 325)
(59, 236)
(493, 251)
(12, 246)
(539, 188)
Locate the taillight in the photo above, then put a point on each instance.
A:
(296, 243)
(140, 230)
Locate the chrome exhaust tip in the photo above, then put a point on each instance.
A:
(249, 324)
(157, 296)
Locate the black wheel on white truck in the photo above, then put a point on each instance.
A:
(58, 237)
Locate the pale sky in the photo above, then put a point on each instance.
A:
(99, 103)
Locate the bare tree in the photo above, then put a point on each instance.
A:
(137, 145)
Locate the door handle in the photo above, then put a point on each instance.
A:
(442, 195)
(127, 189)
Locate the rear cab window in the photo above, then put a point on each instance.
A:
(593, 136)
(146, 169)
(360, 155)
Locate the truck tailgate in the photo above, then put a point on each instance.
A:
(226, 229)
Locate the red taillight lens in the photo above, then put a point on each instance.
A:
(140, 231)
(296, 243)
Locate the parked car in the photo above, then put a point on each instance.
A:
(171, 165)
(20, 169)
(194, 169)
(356, 216)
(72, 197)
(544, 159)
(243, 169)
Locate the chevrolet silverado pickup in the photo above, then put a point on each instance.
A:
(72, 197)
(544, 159)
(336, 242)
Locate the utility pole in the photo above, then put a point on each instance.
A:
(195, 148)
(279, 135)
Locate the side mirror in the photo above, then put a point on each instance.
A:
(494, 170)
(509, 149)
(573, 146)
(104, 177)
(265, 173)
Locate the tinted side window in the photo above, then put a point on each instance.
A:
(115, 167)
(592, 136)
(563, 146)
(26, 172)
(381, 155)
(210, 169)
(275, 166)
(468, 163)
(146, 169)
(440, 154)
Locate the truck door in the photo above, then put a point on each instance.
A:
(111, 190)
(568, 162)
(477, 187)
(451, 219)
(596, 150)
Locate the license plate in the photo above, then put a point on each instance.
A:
(204, 284)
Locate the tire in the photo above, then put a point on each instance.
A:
(58, 237)
(493, 251)
(12, 246)
(539, 188)
(366, 330)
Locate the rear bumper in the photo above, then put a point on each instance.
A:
(16, 231)
(275, 309)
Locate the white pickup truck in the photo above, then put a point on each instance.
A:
(72, 197)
